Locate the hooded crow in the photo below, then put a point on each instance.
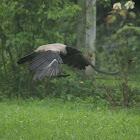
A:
(45, 60)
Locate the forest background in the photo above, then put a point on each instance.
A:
(25, 25)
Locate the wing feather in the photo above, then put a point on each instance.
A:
(75, 60)
(46, 64)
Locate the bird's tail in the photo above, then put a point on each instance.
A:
(100, 71)
(104, 72)
(26, 58)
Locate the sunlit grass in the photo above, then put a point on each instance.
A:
(60, 120)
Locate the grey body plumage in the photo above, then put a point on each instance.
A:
(45, 61)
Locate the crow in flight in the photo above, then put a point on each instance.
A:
(46, 60)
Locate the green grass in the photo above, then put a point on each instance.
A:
(56, 119)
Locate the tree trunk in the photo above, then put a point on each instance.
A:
(86, 30)
(90, 33)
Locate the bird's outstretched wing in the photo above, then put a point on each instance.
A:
(75, 60)
(46, 64)
(79, 61)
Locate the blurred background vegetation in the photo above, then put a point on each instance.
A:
(25, 25)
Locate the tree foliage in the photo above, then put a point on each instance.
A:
(24, 25)
(27, 24)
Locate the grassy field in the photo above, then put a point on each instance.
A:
(56, 119)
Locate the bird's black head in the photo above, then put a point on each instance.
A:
(71, 50)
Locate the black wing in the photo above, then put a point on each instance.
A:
(46, 64)
(27, 58)
(79, 61)
(76, 60)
